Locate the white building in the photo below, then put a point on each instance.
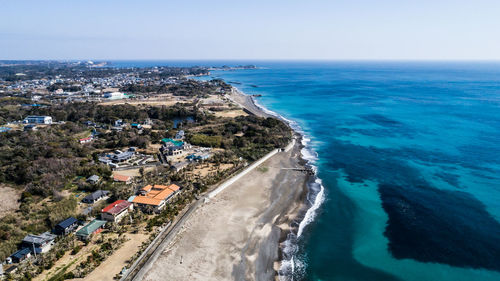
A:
(114, 95)
(32, 119)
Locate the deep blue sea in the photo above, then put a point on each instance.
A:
(408, 155)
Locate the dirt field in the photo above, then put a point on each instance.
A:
(133, 172)
(231, 113)
(9, 200)
(67, 259)
(114, 264)
(151, 149)
(158, 100)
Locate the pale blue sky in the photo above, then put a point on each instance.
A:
(253, 29)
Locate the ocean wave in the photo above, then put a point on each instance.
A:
(291, 264)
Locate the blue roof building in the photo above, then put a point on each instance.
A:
(21, 255)
(66, 226)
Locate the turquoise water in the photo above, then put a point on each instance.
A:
(409, 161)
(408, 156)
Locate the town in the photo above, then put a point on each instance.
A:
(97, 161)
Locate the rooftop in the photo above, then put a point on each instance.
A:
(39, 239)
(67, 222)
(116, 207)
(123, 178)
(172, 141)
(93, 178)
(155, 194)
(21, 253)
(91, 227)
(96, 195)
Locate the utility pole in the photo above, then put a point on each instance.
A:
(34, 250)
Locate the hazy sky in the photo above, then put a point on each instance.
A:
(251, 29)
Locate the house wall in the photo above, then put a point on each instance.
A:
(117, 217)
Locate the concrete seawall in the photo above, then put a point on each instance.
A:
(232, 180)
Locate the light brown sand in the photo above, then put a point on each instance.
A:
(235, 234)
(9, 201)
(133, 172)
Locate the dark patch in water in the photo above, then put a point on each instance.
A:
(381, 120)
(432, 225)
(425, 223)
(451, 179)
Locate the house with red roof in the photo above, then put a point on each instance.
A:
(122, 178)
(115, 211)
(86, 140)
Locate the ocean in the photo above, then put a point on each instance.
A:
(408, 164)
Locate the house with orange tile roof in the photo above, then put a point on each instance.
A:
(115, 211)
(122, 178)
(154, 197)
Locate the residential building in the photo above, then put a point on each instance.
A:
(33, 119)
(39, 243)
(86, 140)
(115, 211)
(114, 96)
(11, 270)
(173, 147)
(120, 156)
(4, 129)
(118, 123)
(179, 166)
(179, 135)
(122, 178)
(136, 125)
(89, 229)
(66, 226)
(94, 179)
(154, 197)
(95, 196)
(21, 255)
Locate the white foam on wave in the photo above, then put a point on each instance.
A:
(292, 265)
(311, 212)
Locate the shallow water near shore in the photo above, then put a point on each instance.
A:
(409, 158)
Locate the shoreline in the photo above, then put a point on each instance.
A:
(271, 213)
(291, 229)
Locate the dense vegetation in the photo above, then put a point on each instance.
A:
(47, 162)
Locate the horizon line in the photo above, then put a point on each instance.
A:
(269, 59)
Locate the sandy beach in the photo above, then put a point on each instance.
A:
(236, 235)
(246, 102)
